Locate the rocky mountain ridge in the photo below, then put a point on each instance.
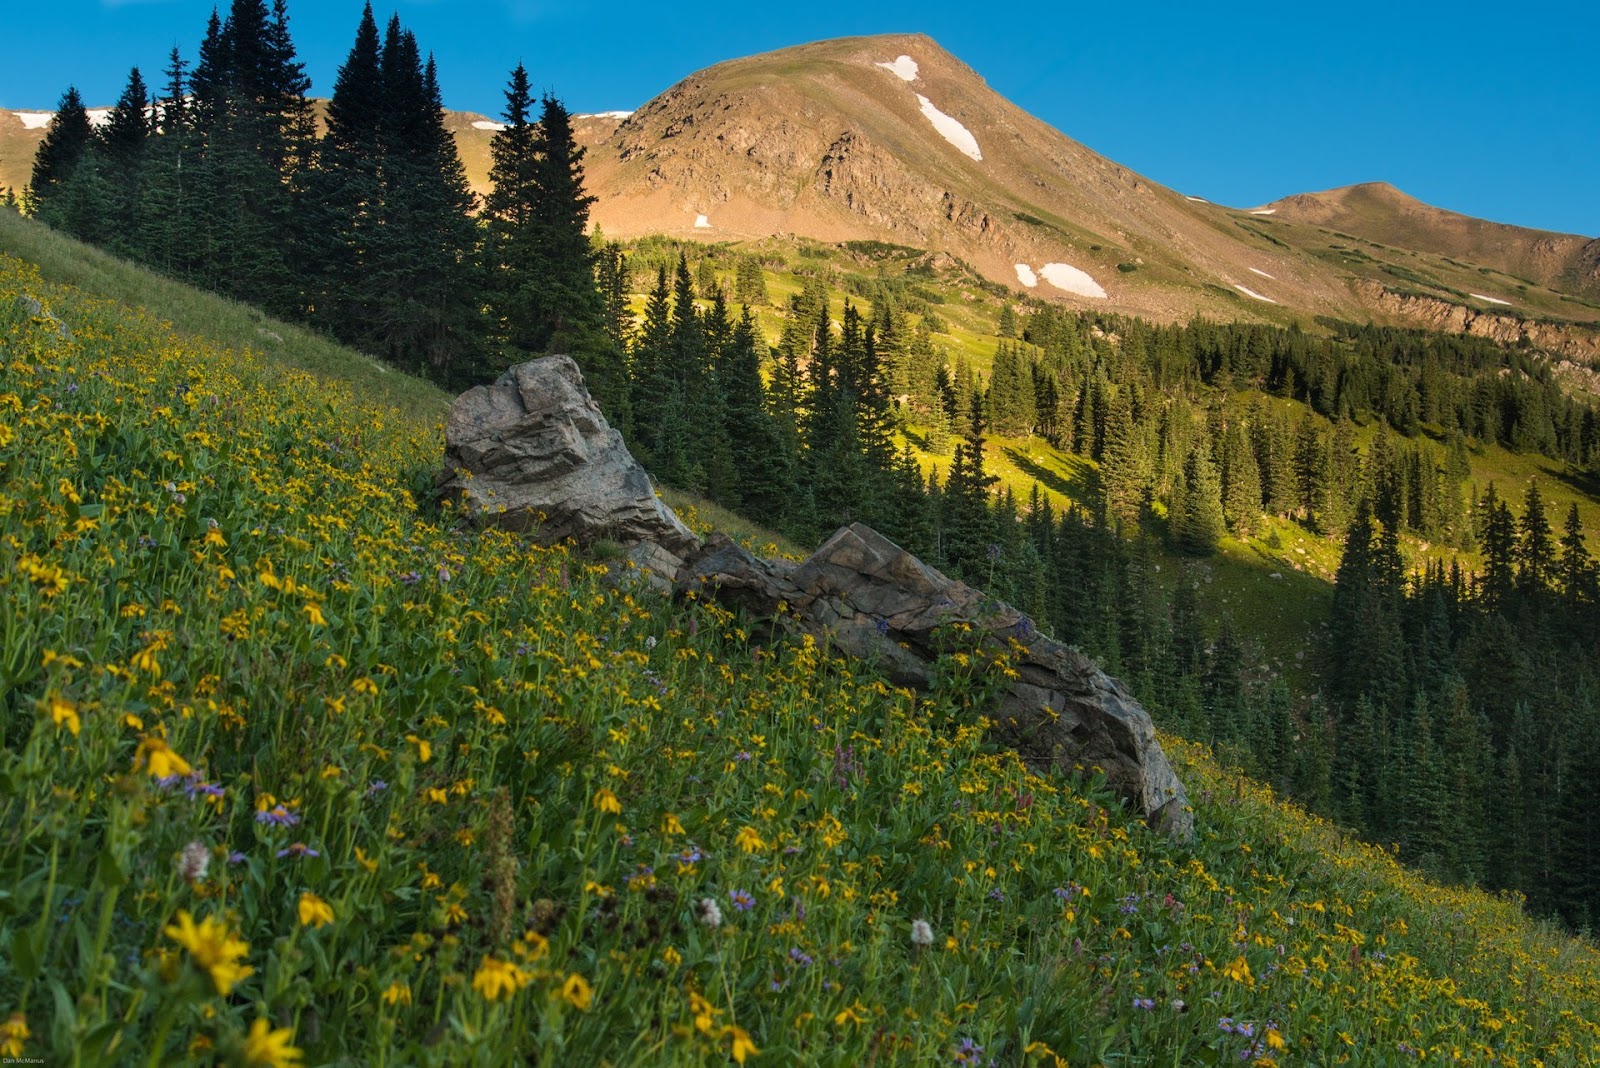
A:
(893, 139)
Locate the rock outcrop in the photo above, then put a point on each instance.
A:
(868, 598)
(1575, 340)
(533, 453)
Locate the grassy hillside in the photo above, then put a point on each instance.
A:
(293, 764)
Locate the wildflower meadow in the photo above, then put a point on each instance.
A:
(296, 770)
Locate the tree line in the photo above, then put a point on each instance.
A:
(367, 229)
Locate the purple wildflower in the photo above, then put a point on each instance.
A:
(742, 900)
(278, 816)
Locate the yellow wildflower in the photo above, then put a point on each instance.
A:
(576, 992)
(14, 1035)
(606, 801)
(213, 948)
(497, 978)
(314, 912)
(855, 1014)
(1239, 971)
(398, 993)
(749, 840)
(670, 824)
(156, 757)
(424, 750)
(703, 1011)
(742, 1046)
(269, 1047)
(313, 614)
(64, 713)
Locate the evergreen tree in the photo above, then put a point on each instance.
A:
(1124, 473)
(1241, 482)
(422, 256)
(1197, 524)
(65, 141)
(750, 282)
(565, 302)
(764, 479)
(510, 255)
(969, 525)
(124, 145)
(255, 126)
(344, 207)
(164, 229)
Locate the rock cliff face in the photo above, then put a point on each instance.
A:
(533, 453)
(1568, 339)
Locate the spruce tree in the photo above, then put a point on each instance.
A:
(65, 141)
(968, 522)
(764, 477)
(343, 208)
(422, 254)
(510, 259)
(566, 302)
(1198, 524)
(164, 226)
(124, 146)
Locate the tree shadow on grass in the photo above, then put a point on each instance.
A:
(1080, 484)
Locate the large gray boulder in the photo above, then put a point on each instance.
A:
(533, 453)
(869, 598)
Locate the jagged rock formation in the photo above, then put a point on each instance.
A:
(533, 453)
(1579, 341)
(868, 598)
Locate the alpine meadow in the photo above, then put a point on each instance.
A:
(310, 756)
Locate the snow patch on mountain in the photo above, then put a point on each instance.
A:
(99, 116)
(904, 68)
(1026, 276)
(701, 222)
(606, 115)
(1197, 200)
(34, 120)
(1263, 274)
(1070, 279)
(1491, 300)
(1253, 294)
(950, 129)
(488, 124)
(1265, 211)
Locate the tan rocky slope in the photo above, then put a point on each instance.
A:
(893, 139)
(1377, 211)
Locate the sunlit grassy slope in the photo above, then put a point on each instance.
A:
(292, 763)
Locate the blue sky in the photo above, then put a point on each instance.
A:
(1492, 110)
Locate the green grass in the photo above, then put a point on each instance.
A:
(201, 315)
(290, 761)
